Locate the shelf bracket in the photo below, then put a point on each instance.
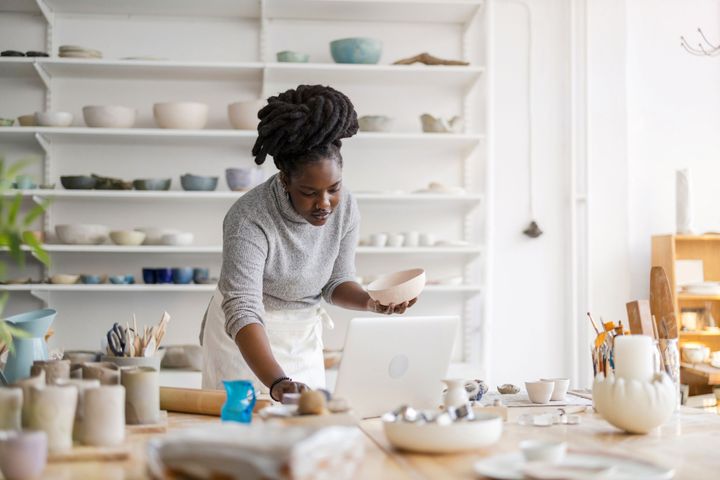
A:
(43, 142)
(44, 75)
(45, 10)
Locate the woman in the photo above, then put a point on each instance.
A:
(286, 244)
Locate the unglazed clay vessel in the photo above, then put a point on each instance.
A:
(103, 416)
(54, 370)
(635, 406)
(397, 287)
(26, 384)
(142, 395)
(244, 115)
(82, 387)
(11, 401)
(560, 389)
(106, 372)
(52, 410)
(539, 392)
(23, 455)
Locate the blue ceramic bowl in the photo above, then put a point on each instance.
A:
(121, 279)
(130, 279)
(182, 275)
(356, 50)
(152, 184)
(198, 183)
(201, 275)
(91, 279)
(149, 275)
(78, 182)
(163, 275)
(292, 57)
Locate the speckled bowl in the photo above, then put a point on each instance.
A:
(152, 183)
(198, 183)
(356, 50)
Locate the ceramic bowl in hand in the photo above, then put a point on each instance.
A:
(152, 183)
(82, 234)
(375, 123)
(287, 56)
(127, 237)
(109, 116)
(244, 115)
(485, 430)
(356, 50)
(64, 279)
(182, 115)
(78, 182)
(183, 239)
(396, 288)
(198, 183)
(53, 119)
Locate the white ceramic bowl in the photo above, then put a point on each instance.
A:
(109, 116)
(695, 353)
(82, 234)
(543, 450)
(153, 235)
(540, 392)
(485, 430)
(183, 115)
(560, 389)
(127, 237)
(64, 279)
(53, 119)
(182, 239)
(244, 115)
(397, 287)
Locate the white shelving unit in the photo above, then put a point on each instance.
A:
(234, 59)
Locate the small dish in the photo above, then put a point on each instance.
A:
(152, 183)
(127, 237)
(122, 279)
(288, 56)
(543, 451)
(64, 279)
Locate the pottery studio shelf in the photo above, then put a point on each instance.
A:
(709, 373)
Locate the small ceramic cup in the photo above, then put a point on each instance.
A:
(24, 182)
(201, 275)
(412, 239)
(182, 275)
(23, 455)
(82, 387)
(149, 275)
(37, 381)
(163, 275)
(54, 370)
(539, 392)
(395, 240)
(560, 389)
(53, 411)
(103, 416)
(378, 239)
(11, 402)
(142, 395)
(105, 372)
(427, 240)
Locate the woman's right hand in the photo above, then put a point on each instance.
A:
(377, 307)
(287, 386)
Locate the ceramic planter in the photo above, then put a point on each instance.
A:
(27, 384)
(23, 455)
(52, 410)
(11, 401)
(142, 395)
(82, 386)
(106, 372)
(54, 370)
(103, 416)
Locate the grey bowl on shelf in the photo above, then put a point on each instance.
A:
(356, 50)
(78, 182)
(288, 56)
(152, 183)
(198, 183)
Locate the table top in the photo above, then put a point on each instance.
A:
(688, 442)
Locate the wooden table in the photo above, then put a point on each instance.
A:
(689, 442)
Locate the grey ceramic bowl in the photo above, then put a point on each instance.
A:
(198, 183)
(152, 184)
(292, 57)
(78, 182)
(239, 178)
(356, 50)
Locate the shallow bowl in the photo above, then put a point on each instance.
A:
(288, 56)
(485, 430)
(152, 183)
(53, 119)
(182, 239)
(78, 182)
(64, 279)
(153, 235)
(127, 237)
(375, 123)
(82, 234)
(397, 287)
(182, 115)
(198, 183)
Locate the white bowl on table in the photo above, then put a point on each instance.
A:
(397, 287)
(181, 115)
(109, 116)
(483, 431)
(81, 234)
(53, 119)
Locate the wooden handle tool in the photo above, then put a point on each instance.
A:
(203, 402)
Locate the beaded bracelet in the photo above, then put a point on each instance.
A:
(281, 379)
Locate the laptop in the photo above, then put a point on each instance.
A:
(392, 361)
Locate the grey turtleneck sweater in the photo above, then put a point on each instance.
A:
(274, 259)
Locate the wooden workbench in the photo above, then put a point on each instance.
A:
(689, 443)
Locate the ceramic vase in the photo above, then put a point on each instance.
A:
(103, 416)
(23, 455)
(28, 348)
(52, 410)
(54, 370)
(82, 386)
(37, 381)
(106, 372)
(142, 395)
(11, 401)
(456, 395)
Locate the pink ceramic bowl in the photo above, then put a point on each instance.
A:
(397, 287)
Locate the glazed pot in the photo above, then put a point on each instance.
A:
(142, 395)
(33, 347)
(103, 416)
(107, 373)
(52, 410)
(11, 402)
(26, 385)
(201, 275)
(182, 275)
(54, 370)
(23, 455)
(356, 50)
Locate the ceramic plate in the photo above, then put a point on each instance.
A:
(512, 466)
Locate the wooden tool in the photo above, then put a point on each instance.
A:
(639, 317)
(203, 402)
(82, 453)
(662, 304)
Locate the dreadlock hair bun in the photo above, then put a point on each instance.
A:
(304, 124)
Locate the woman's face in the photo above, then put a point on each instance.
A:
(315, 190)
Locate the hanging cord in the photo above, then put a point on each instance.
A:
(707, 50)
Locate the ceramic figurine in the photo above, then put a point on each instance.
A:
(142, 395)
(11, 401)
(103, 416)
(432, 124)
(52, 410)
(54, 370)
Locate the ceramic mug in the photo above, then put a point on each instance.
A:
(23, 455)
(395, 240)
(11, 402)
(201, 275)
(427, 240)
(53, 411)
(412, 239)
(54, 370)
(163, 275)
(378, 239)
(107, 373)
(103, 416)
(82, 387)
(142, 395)
(26, 384)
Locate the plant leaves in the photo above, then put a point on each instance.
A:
(14, 210)
(36, 248)
(35, 213)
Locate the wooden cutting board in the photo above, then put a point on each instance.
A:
(662, 303)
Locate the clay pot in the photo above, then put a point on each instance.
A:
(103, 416)
(142, 395)
(11, 401)
(37, 381)
(23, 455)
(52, 410)
(106, 372)
(82, 387)
(54, 370)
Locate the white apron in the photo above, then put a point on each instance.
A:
(295, 340)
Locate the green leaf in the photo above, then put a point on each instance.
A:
(14, 210)
(16, 249)
(36, 248)
(35, 213)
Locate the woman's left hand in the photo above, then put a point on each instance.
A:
(376, 307)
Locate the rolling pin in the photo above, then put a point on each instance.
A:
(203, 402)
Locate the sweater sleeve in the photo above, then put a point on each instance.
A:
(344, 267)
(245, 250)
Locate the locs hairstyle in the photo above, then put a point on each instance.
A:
(303, 125)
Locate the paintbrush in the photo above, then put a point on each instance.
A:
(597, 331)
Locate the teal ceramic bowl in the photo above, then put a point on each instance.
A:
(152, 184)
(356, 50)
(288, 56)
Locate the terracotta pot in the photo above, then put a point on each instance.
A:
(23, 455)
(37, 381)
(106, 372)
(82, 386)
(103, 416)
(11, 401)
(54, 370)
(142, 395)
(53, 411)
